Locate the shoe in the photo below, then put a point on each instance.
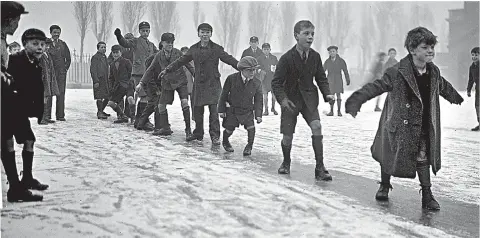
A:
(215, 141)
(34, 184)
(378, 109)
(428, 201)
(477, 128)
(43, 122)
(22, 194)
(227, 146)
(106, 114)
(382, 193)
(188, 133)
(121, 120)
(322, 174)
(49, 120)
(265, 113)
(61, 119)
(101, 115)
(274, 112)
(339, 113)
(330, 114)
(248, 150)
(146, 127)
(194, 137)
(284, 168)
(163, 132)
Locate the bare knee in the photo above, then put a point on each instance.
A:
(287, 140)
(131, 100)
(112, 104)
(28, 145)
(316, 127)
(8, 144)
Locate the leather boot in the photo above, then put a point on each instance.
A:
(285, 167)
(28, 181)
(332, 103)
(428, 201)
(251, 137)
(382, 193)
(339, 106)
(140, 108)
(186, 118)
(132, 112)
(165, 129)
(321, 172)
(226, 143)
(143, 119)
(121, 118)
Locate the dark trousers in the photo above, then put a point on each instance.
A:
(152, 106)
(214, 122)
(47, 113)
(60, 113)
(477, 104)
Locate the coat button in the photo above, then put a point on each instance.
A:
(407, 105)
(405, 122)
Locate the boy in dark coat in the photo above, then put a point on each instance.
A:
(120, 71)
(473, 79)
(28, 101)
(392, 53)
(253, 50)
(293, 86)
(207, 86)
(267, 62)
(408, 137)
(335, 65)
(49, 83)
(99, 72)
(243, 93)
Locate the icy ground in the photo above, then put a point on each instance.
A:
(110, 180)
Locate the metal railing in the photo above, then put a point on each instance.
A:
(79, 72)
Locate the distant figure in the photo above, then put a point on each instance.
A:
(119, 77)
(253, 50)
(409, 133)
(268, 64)
(376, 72)
(99, 72)
(14, 47)
(473, 79)
(335, 65)
(391, 59)
(50, 84)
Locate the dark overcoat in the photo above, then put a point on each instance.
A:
(243, 99)
(249, 52)
(335, 78)
(207, 86)
(397, 141)
(142, 49)
(293, 79)
(50, 86)
(61, 62)
(120, 76)
(99, 72)
(266, 63)
(29, 99)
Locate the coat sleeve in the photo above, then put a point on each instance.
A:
(222, 101)
(128, 64)
(448, 92)
(93, 70)
(66, 53)
(183, 60)
(470, 80)
(278, 81)
(111, 79)
(130, 43)
(369, 91)
(345, 71)
(152, 71)
(322, 80)
(228, 59)
(258, 101)
(191, 69)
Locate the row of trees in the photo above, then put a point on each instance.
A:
(384, 24)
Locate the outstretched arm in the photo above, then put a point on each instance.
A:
(183, 60)
(228, 59)
(448, 92)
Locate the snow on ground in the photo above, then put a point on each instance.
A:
(113, 181)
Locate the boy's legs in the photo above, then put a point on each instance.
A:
(339, 104)
(288, 122)
(100, 108)
(48, 111)
(274, 100)
(332, 105)
(183, 95)
(214, 124)
(230, 122)
(423, 171)
(198, 112)
(265, 102)
(477, 110)
(150, 107)
(250, 127)
(385, 186)
(117, 96)
(167, 97)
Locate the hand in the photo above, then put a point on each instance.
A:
(350, 110)
(118, 32)
(96, 85)
(162, 73)
(259, 120)
(354, 114)
(289, 105)
(330, 98)
(469, 94)
(348, 83)
(139, 87)
(222, 114)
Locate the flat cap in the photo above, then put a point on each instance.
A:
(143, 24)
(33, 34)
(168, 37)
(247, 62)
(332, 47)
(253, 39)
(12, 9)
(205, 26)
(116, 48)
(265, 45)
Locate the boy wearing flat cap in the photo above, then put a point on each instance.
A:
(335, 65)
(119, 77)
(207, 86)
(253, 50)
(267, 62)
(243, 93)
(293, 86)
(28, 101)
(473, 80)
(142, 49)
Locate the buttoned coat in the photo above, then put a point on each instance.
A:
(249, 52)
(242, 98)
(397, 140)
(120, 76)
(293, 79)
(335, 78)
(50, 86)
(266, 63)
(99, 72)
(142, 49)
(61, 62)
(207, 86)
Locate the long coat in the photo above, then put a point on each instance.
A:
(50, 86)
(120, 76)
(142, 49)
(99, 72)
(243, 98)
(335, 78)
(293, 79)
(249, 52)
(61, 62)
(189, 79)
(397, 141)
(207, 86)
(29, 99)
(266, 63)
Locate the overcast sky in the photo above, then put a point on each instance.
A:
(43, 14)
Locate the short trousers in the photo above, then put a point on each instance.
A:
(136, 79)
(18, 127)
(288, 120)
(167, 96)
(232, 120)
(118, 93)
(131, 89)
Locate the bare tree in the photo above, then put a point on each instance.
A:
(229, 16)
(102, 28)
(83, 15)
(261, 17)
(422, 16)
(235, 18)
(321, 13)
(342, 24)
(288, 11)
(387, 16)
(198, 15)
(164, 18)
(367, 34)
(132, 12)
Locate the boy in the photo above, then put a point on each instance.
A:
(253, 50)
(206, 87)
(267, 63)
(120, 71)
(171, 82)
(49, 83)
(392, 53)
(243, 92)
(14, 47)
(473, 79)
(408, 135)
(335, 65)
(28, 101)
(293, 86)
(376, 72)
(99, 72)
